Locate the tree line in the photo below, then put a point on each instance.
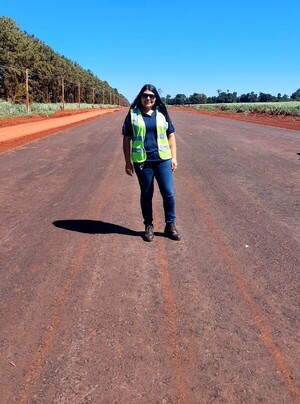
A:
(228, 97)
(50, 77)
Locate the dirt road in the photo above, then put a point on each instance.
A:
(92, 314)
(17, 131)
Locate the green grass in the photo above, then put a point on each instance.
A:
(271, 108)
(8, 110)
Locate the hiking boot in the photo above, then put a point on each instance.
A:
(149, 233)
(171, 232)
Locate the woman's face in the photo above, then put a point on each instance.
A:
(148, 100)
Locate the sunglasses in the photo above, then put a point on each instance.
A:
(151, 96)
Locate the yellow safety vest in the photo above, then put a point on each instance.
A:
(138, 152)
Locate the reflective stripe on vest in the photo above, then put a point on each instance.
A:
(138, 152)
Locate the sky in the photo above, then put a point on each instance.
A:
(181, 47)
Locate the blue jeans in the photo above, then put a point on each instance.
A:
(162, 172)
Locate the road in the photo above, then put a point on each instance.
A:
(90, 313)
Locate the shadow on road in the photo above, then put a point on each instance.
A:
(94, 227)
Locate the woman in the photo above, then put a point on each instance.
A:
(149, 142)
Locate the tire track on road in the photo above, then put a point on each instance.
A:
(184, 393)
(63, 295)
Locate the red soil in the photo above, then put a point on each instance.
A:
(279, 121)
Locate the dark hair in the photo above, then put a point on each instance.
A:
(158, 102)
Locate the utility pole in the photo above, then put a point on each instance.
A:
(63, 93)
(93, 97)
(79, 95)
(27, 91)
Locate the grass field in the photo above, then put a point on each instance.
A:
(7, 109)
(271, 108)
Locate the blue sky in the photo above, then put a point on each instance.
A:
(179, 46)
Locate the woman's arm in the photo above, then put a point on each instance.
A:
(127, 155)
(172, 144)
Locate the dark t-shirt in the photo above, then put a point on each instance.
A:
(150, 142)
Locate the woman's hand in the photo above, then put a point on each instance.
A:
(129, 169)
(127, 150)
(174, 164)
(172, 143)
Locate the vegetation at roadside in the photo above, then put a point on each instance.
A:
(291, 108)
(25, 61)
(8, 109)
(231, 98)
